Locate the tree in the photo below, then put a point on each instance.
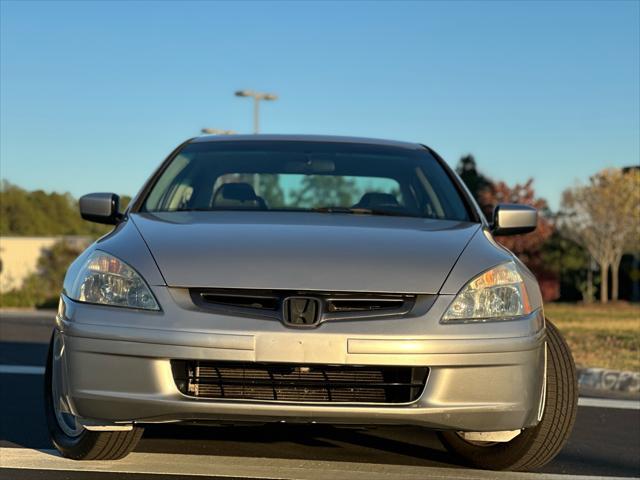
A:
(572, 264)
(270, 189)
(528, 247)
(326, 190)
(42, 288)
(39, 213)
(604, 217)
(475, 181)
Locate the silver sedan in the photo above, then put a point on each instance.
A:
(307, 279)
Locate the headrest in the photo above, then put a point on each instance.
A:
(240, 192)
(377, 199)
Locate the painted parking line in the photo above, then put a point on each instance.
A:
(583, 401)
(22, 369)
(263, 468)
(609, 403)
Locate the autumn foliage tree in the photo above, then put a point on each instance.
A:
(604, 217)
(527, 247)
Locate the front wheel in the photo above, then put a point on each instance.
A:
(70, 438)
(536, 446)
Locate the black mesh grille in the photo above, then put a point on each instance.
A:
(260, 302)
(270, 304)
(299, 383)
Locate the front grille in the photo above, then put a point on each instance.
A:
(260, 302)
(269, 304)
(299, 383)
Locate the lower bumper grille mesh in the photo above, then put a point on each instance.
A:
(299, 383)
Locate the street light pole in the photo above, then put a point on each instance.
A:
(256, 115)
(257, 96)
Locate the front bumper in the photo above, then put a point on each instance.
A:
(483, 377)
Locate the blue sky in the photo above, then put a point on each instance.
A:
(93, 95)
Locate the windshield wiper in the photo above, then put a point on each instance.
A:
(361, 211)
(327, 209)
(192, 209)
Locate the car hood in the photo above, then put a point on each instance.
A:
(303, 251)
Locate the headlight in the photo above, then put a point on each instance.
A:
(497, 294)
(107, 280)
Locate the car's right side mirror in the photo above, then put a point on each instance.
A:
(101, 208)
(514, 219)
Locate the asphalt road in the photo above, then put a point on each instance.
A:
(605, 441)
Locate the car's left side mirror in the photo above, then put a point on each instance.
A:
(101, 208)
(513, 219)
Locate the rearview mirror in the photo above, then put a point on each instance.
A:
(101, 208)
(513, 219)
(312, 164)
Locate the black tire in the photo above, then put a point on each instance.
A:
(536, 446)
(89, 445)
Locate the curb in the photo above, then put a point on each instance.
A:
(604, 383)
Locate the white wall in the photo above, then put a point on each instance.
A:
(19, 257)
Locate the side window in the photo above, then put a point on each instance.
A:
(179, 197)
(170, 192)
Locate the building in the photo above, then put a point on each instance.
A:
(19, 256)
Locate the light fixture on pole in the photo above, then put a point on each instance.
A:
(257, 96)
(218, 131)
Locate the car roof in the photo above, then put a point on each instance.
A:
(306, 138)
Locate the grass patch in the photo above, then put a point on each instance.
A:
(606, 336)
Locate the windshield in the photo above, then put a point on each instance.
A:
(318, 177)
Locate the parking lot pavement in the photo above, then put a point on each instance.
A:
(605, 441)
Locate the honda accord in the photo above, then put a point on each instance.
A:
(309, 279)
